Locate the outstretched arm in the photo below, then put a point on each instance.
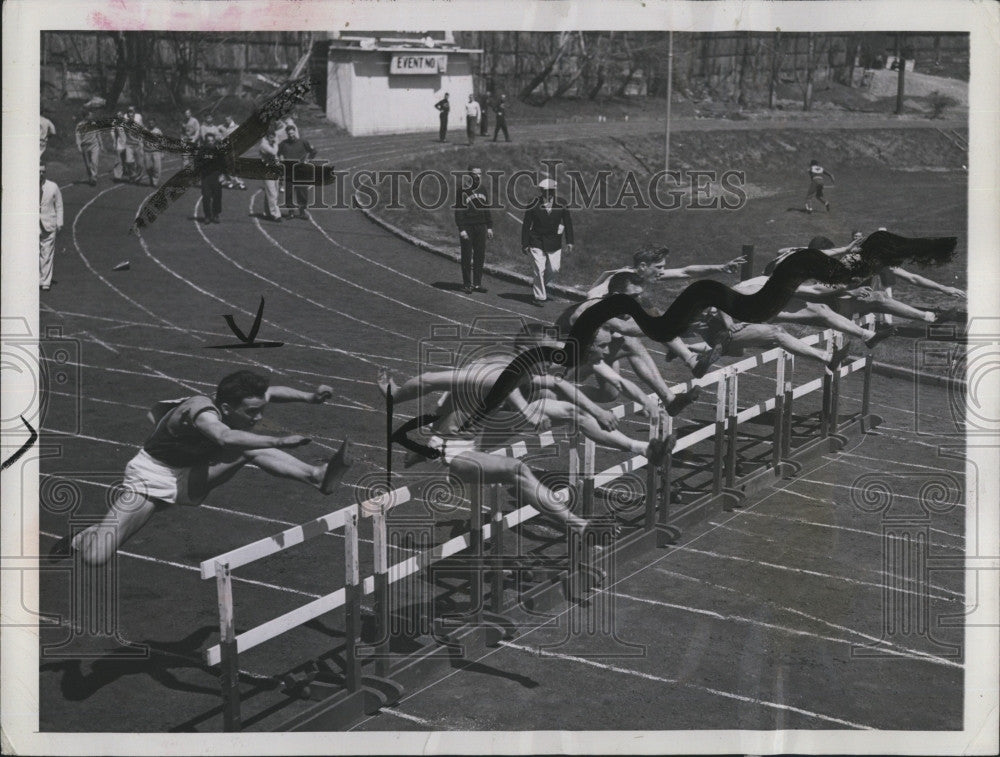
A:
(287, 394)
(694, 271)
(623, 384)
(572, 394)
(212, 426)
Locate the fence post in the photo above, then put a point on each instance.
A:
(229, 671)
(352, 603)
(731, 428)
(720, 431)
(653, 475)
(496, 539)
(664, 535)
(777, 439)
(589, 456)
(789, 403)
(382, 608)
(824, 413)
(476, 550)
(838, 341)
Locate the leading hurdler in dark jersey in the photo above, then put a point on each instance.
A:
(197, 445)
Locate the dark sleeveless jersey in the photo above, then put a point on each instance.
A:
(176, 441)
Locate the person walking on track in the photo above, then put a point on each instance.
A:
(190, 132)
(444, 108)
(500, 111)
(816, 174)
(472, 115)
(198, 444)
(50, 222)
(227, 128)
(475, 226)
(47, 129)
(88, 142)
(546, 225)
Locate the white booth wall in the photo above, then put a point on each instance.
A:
(363, 98)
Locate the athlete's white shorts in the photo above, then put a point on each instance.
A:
(148, 477)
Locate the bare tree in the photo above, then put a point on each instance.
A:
(564, 41)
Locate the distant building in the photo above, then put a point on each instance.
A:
(388, 82)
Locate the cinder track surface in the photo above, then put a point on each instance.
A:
(748, 623)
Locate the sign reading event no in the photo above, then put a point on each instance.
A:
(418, 64)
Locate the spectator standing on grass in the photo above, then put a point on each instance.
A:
(816, 174)
(546, 224)
(500, 109)
(209, 126)
(50, 222)
(211, 180)
(475, 226)
(88, 142)
(294, 150)
(153, 157)
(444, 108)
(269, 155)
(485, 100)
(472, 114)
(190, 132)
(47, 129)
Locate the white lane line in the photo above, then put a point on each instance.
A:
(686, 684)
(413, 279)
(831, 576)
(879, 534)
(354, 285)
(922, 466)
(913, 654)
(836, 626)
(112, 287)
(405, 716)
(197, 569)
(226, 510)
(952, 441)
(854, 488)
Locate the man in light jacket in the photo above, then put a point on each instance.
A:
(50, 221)
(546, 224)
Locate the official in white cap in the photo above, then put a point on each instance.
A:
(546, 230)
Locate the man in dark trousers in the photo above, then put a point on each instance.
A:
(475, 226)
(212, 166)
(546, 223)
(485, 103)
(294, 150)
(444, 107)
(501, 115)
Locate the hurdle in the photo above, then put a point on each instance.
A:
(343, 697)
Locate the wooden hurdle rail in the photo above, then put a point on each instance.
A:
(344, 703)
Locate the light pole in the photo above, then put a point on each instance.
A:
(670, 91)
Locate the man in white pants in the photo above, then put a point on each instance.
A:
(50, 221)
(269, 155)
(546, 225)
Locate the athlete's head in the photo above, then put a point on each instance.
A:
(242, 397)
(600, 346)
(814, 162)
(536, 335)
(626, 282)
(650, 261)
(821, 243)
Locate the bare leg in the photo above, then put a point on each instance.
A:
(816, 314)
(642, 363)
(880, 303)
(128, 513)
(479, 468)
(767, 336)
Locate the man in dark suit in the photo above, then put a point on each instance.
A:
(444, 107)
(500, 109)
(546, 224)
(475, 226)
(485, 102)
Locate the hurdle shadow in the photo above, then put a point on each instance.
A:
(164, 658)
